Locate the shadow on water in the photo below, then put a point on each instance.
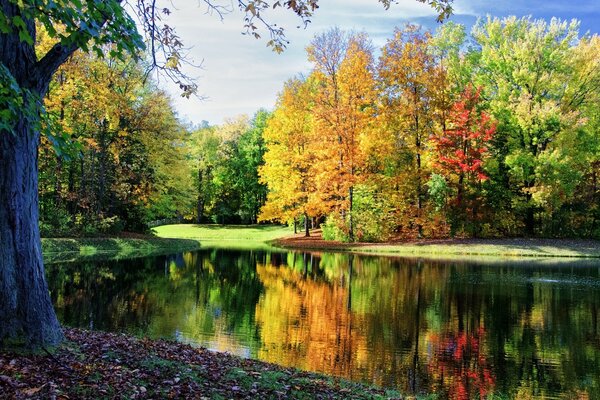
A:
(463, 330)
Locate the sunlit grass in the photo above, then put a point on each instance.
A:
(224, 235)
(476, 249)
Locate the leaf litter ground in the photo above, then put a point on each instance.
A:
(103, 365)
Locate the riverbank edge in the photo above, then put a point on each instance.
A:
(97, 365)
(56, 250)
(443, 248)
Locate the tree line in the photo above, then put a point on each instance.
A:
(492, 133)
(115, 155)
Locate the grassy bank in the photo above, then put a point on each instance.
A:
(258, 235)
(96, 365)
(455, 247)
(232, 236)
(82, 249)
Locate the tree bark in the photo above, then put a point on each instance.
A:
(350, 220)
(200, 203)
(27, 316)
(26, 313)
(306, 226)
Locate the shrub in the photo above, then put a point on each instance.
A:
(334, 228)
(55, 222)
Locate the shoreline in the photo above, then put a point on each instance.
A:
(120, 247)
(55, 250)
(513, 247)
(99, 365)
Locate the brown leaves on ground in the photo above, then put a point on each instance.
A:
(115, 366)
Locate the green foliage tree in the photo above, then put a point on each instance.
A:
(524, 65)
(228, 160)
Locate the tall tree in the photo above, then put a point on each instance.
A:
(26, 313)
(288, 170)
(461, 150)
(411, 87)
(205, 149)
(251, 158)
(525, 68)
(344, 106)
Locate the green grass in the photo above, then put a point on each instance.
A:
(522, 248)
(89, 249)
(536, 249)
(258, 236)
(231, 236)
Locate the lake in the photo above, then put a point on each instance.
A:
(464, 330)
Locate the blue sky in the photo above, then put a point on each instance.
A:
(241, 75)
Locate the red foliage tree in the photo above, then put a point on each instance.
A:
(462, 148)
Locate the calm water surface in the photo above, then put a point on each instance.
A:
(461, 330)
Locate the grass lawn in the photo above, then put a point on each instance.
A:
(237, 236)
(510, 248)
(519, 247)
(89, 249)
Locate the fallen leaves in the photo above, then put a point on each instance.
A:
(97, 365)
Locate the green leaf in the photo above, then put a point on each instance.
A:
(24, 35)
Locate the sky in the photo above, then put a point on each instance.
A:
(240, 74)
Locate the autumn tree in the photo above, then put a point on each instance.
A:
(462, 148)
(344, 107)
(288, 169)
(410, 86)
(126, 163)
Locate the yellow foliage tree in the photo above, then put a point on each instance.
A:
(344, 109)
(412, 85)
(288, 168)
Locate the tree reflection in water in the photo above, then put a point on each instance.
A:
(461, 330)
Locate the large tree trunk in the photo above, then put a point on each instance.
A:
(26, 312)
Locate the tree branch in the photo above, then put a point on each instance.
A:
(59, 53)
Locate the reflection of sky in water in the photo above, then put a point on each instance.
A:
(526, 330)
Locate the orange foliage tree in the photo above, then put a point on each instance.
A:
(288, 169)
(344, 107)
(411, 84)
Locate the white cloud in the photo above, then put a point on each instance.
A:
(241, 74)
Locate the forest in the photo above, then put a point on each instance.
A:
(489, 133)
